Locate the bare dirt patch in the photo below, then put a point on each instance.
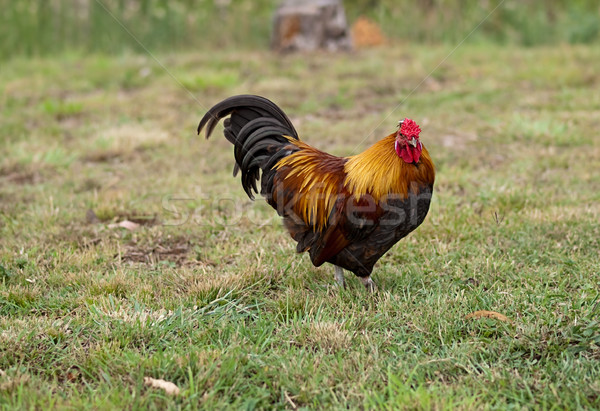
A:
(162, 250)
(20, 174)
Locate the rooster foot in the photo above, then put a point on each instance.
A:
(369, 284)
(339, 277)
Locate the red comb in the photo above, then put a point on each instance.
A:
(409, 128)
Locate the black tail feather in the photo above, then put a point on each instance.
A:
(245, 106)
(256, 127)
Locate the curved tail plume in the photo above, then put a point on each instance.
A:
(260, 133)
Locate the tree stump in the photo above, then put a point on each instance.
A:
(308, 25)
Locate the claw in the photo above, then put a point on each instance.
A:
(369, 284)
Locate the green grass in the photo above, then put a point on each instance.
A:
(208, 292)
(44, 28)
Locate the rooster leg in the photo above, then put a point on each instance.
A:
(369, 284)
(339, 276)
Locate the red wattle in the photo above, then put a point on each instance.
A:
(408, 153)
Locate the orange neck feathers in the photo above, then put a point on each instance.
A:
(379, 171)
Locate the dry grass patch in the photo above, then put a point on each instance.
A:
(123, 141)
(328, 336)
(214, 281)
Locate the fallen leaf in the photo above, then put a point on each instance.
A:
(129, 225)
(169, 387)
(488, 314)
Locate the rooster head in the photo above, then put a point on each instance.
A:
(408, 147)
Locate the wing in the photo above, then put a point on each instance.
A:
(352, 220)
(308, 192)
(307, 184)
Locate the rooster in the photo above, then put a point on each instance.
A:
(347, 211)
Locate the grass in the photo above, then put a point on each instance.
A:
(44, 28)
(208, 292)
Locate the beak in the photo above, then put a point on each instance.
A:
(413, 142)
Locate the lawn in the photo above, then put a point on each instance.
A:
(206, 291)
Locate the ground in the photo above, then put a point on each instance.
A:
(207, 292)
